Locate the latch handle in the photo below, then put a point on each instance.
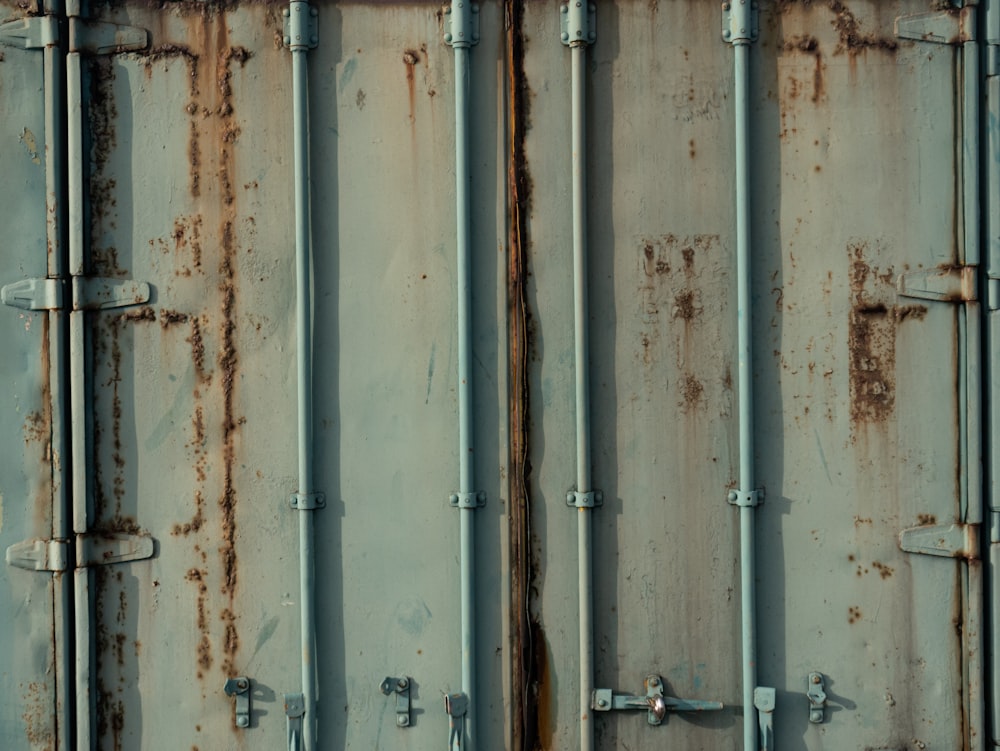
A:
(240, 688)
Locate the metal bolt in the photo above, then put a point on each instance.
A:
(402, 720)
(242, 722)
(315, 40)
(285, 12)
(725, 6)
(402, 683)
(726, 35)
(602, 702)
(241, 684)
(565, 38)
(448, 38)
(295, 502)
(313, 12)
(564, 9)
(743, 31)
(815, 679)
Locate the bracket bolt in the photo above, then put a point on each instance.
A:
(285, 12)
(448, 37)
(602, 702)
(402, 683)
(288, 41)
(402, 720)
(815, 679)
(725, 6)
(242, 722)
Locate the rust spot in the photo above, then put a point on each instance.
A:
(853, 614)
(171, 317)
(692, 150)
(686, 305)
(692, 392)
(859, 520)
(850, 557)
(145, 313)
(884, 571)
(925, 520)
(902, 312)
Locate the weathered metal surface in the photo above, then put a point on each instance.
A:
(855, 179)
(28, 665)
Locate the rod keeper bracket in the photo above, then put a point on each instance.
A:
(307, 501)
(590, 499)
(745, 499)
(468, 500)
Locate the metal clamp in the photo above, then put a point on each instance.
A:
(456, 706)
(295, 708)
(401, 687)
(590, 499)
(301, 26)
(307, 501)
(654, 702)
(764, 700)
(240, 688)
(817, 697)
(740, 21)
(745, 498)
(468, 500)
(578, 23)
(463, 23)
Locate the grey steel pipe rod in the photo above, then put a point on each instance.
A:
(467, 561)
(77, 401)
(300, 10)
(748, 598)
(581, 341)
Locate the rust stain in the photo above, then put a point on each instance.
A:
(545, 693)
(925, 520)
(809, 45)
(871, 338)
(410, 59)
(853, 614)
(852, 39)
(525, 635)
(37, 716)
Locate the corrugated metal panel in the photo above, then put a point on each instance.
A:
(859, 173)
(28, 718)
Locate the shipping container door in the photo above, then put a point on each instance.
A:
(191, 439)
(865, 373)
(34, 586)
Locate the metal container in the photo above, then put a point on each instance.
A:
(508, 376)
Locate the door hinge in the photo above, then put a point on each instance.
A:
(88, 293)
(91, 550)
(32, 32)
(951, 26)
(90, 37)
(940, 284)
(945, 540)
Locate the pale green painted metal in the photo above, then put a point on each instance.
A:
(461, 36)
(33, 665)
(661, 155)
(741, 35)
(300, 12)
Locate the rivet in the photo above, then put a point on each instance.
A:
(314, 40)
(402, 721)
(564, 9)
(815, 679)
(286, 13)
(313, 12)
(602, 702)
(726, 34)
(565, 36)
(242, 722)
(448, 38)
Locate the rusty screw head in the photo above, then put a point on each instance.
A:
(242, 684)
(402, 683)
(815, 679)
